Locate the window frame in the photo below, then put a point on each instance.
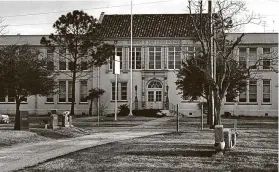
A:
(122, 91)
(263, 85)
(254, 84)
(155, 61)
(135, 50)
(81, 95)
(176, 54)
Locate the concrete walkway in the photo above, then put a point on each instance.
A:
(18, 157)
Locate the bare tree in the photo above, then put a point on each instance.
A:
(211, 36)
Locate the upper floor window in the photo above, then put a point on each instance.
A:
(174, 58)
(136, 58)
(242, 58)
(155, 58)
(266, 50)
(253, 57)
(117, 52)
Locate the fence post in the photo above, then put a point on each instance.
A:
(177, 119)
(202, 116)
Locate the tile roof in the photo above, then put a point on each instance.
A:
(147, 25)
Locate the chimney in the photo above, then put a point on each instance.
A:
(101, 17)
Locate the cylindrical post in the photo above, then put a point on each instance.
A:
(202, 116)
(115, 99)
(177, 119)
(131, 70)
(98, 97)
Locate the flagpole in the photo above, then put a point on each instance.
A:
(131, 55)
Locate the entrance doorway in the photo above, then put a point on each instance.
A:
(154, 95)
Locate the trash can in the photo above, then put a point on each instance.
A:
(24, 120)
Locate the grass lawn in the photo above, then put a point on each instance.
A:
(122, 121)
(83, 126)
(189, 150)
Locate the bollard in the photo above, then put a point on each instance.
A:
(227, 138)
(233, 139)
(219, 138)
(54, 121)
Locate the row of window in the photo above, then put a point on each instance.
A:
(64, 63)
(174, 58)
(64, 93)
(249, 57)
(154, 57)
(251, 91)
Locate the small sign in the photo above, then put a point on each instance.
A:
(117, 65)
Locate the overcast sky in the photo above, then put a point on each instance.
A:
(16, 13)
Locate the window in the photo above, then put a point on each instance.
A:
(62, 91)
(124, 91)
(174, 58)
(155, 58)
(121, 91)
(84, 65)
(70, 65)
(266, 63)
(136, 58)
(50, 62)
(49, 98)
(190, 52)
(62, 52)
(2, 99)
(229, 98)
(242, 58)
(266, 91)
(70, 91)
(242, 95)
(24, 99)
(266, 50)
(117, 52)
(253, 57)
(150, 96)
(62, 64)
(252, 91)
(158, 96)
(83, 91)
(113, 90)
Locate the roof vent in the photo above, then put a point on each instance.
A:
(18, 34)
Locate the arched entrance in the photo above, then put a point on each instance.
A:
(154, 95)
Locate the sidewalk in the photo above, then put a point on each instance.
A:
(31, 154)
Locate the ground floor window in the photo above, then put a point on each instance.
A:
(266, 91)
(65, 92)
(121, 91)
(83, 91)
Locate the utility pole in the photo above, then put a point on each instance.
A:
(211, 68)
(131, 70)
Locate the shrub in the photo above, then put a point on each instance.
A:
(123, 110)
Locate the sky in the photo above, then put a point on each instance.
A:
(37, 17)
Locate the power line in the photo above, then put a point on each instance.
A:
(53, 12)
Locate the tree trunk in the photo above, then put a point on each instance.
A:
(218, 105)
(90, 107)
(17, 117)
(73, 91)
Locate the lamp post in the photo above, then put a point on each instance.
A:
(136, 98)
(167, 98)
(131, 70)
